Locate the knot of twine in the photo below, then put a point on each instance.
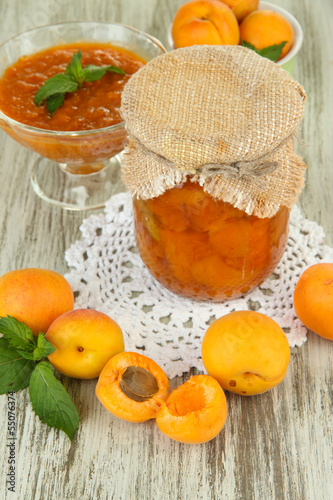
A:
(251, 170)
(247, 170)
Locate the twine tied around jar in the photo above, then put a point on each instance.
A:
(241, 170)
(248, 170)
(222, 116)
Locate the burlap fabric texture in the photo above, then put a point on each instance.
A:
(221, 115)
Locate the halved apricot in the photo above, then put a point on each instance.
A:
(169, 215)
(214, 272)
(195, 412)
(182, 250)
(232, 239)
(147, 219)
(186, 206)
(132, 387)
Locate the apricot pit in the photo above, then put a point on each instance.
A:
(138, 383)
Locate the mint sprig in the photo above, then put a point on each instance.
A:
(273, 52)
(23, 363)
(15, 370)
(50, 400)
(55, 88)
(17, 334)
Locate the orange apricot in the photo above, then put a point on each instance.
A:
(132, 387)
(246, 352)
(204, 22)
(313, 299)
(263, 28)
(195, 412)
(85, 340)
(35, 296)
(242, 8)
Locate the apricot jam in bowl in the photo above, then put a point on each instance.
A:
(80, 142)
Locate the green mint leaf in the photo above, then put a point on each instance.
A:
(54, 89)
(15, 370)
(58, 84)
(92, 73)
(53, 102)
(273, 52)
(19, 335)
(74, 69)
(51, 402)
(43, 349)
(248, 45)
(21, 338)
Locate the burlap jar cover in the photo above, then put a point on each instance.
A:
(221, 115)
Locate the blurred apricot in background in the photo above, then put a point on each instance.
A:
(205, 22)
(264, 28)
(242, 8)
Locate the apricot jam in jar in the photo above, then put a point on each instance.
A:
(206, 249)
(211, 167)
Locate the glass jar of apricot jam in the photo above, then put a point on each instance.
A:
(206, 249)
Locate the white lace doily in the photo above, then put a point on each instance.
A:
(108, 275)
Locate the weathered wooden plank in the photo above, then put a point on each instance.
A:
(276, 445)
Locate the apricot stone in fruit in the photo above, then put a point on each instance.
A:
(132, 387)
(85, 340)
(195, 412)
(138, 383)
(35, 296)
(246, 352)
(204, 22)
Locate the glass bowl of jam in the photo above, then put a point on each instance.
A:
(80, 143)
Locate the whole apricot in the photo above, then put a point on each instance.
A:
(242, 8)
(85, 340)
(204, 22)
(313, 299)
(35, 296)
(264, 28)
(246, 352)
(195, 412)
(132, 387)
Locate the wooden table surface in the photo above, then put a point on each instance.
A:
(274, 446)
